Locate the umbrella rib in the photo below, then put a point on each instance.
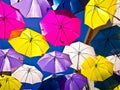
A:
(56, 18)
(71, 22)
(39, 47)
(11, 24)
(84, 49)
(27, 49)
(15, 83)
(29, 8)
(9, 14)
(14, 19)
(51, 23)
(99, 16)
(74, 48)
(92, 17)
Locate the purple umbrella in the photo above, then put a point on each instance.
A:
(75, 82)
(9, 59)
(55, 62)
(32, 8)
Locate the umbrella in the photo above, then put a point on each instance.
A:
(97, 12)
(54, 82)
(97, 69)
(75, 82)
(28, 74)
(116, 21)
(106, 41)
(10, 19)
(15, 33)
(62, 28)
(9, 83)
(78, 51)
(108, 84)
(30, 44)
(9, 59)
(115, 60)
(54, 62)
(74, 6)
(31, 8)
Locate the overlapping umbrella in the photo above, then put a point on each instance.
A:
(54, 62)
(97, 69)
(75, 6)
(9, 59)
(97, 12)
(106, 41)
(10, 19)
(62, 28)
(31, 8)
(115, 59)
(30, 44)
(75, 82)
(28, 74)
(78, 51)
(9, 83)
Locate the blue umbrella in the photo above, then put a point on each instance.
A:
(56, 82)
(108, 84)
(106, 41)
(74, 6)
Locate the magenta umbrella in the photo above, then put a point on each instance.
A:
(75, 82)
(9, 59)
(10, 19)
(54, 62)
(31, 8)
(60, 27)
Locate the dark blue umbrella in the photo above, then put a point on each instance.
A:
(74, 6)
(106, 41)
(53, 83)
(108, 84)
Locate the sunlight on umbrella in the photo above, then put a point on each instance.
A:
(10, 19)
(9, 83)
(97, 12)
(30, 43)
(54, 62)
(60, 27)
(97, 69)
(28, 74)
(9, 59)
(31, 8)
(78, 51)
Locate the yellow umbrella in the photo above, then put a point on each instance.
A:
(117, 88)
(9, 83)
(30, 43)
(98, 12)
(97, 69)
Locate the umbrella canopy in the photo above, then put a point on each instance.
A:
(97, 12)
(50, 2)
(9, 59)
(74, 6)
(10, 19)
(15, 33)
(54, 82)
(54, 62)
(31, 8)
(106, 41)
(28, 74)
(115, 59)
(108, 84)
(116, 21)
(97, 69)
(78, 51)
(9, 83)
(30, 44)
(75, 82)
(62, 28)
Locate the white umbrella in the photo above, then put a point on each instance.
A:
(28, 74)
(78, 51)
(117, 14)
(115, 59)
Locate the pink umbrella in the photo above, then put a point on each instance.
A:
(10, 19)
(31, 8)
(60, 27)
